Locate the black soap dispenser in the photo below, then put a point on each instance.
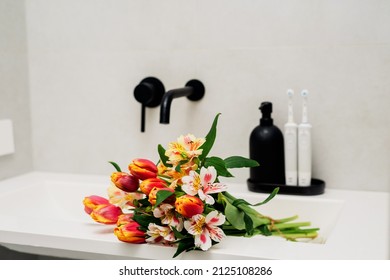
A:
(266, 146)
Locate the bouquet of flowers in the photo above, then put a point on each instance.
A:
(181, 200)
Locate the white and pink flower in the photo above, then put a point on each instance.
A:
(205, 229)
(158, 234)
(167, 214)
(203, 184)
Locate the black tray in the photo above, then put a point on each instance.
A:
(317, 187)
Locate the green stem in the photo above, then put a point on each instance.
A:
(287, 225)
(285, 220)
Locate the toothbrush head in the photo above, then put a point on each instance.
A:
(290, 113)
(305, 95)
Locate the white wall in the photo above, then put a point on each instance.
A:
(14, 95)
(86, 57)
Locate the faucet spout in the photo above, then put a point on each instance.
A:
(193, 90)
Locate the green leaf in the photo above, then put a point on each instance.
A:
(271, 196)
(219, 165)
(234, 215)
(248, 224)
(163, 157)
(240, 201)
(239, 162)
(264, 230)
(116, 166)
(210, 139)
(186, 244)
(145, 220)
(161, 196)
(177, 233)
(144, 201)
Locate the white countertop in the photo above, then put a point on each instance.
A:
(42, 213)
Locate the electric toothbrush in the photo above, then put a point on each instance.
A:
(304, 145)
(290, 144)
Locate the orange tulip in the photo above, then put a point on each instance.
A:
(143, 169)
(106, 213)
(91, 202)
(124, 181)
(147, 185)
(188, 205)
(153, 195)
(130, 232)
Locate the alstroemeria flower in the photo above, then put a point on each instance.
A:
(106, 214)
(172, 176)
(203, 184)
(93, 201)
(167, 214)
(186, 148)
(124, 200)
(159, 233)
(206, 228)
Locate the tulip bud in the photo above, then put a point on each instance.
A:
(124, 219)
(130, 233)
(91, 202)
(147, 185)
(143, 169)
(125, 182)
(188, 205)
(106, 214)
(153, 195)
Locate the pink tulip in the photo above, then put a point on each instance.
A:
(91, 202)
(106, 214)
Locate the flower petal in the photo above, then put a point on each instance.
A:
(203, 240)
(215, 218)
(216, 234)
(206, 198)
(208, 175)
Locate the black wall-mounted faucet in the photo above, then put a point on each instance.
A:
(149, 93)
(194, 90)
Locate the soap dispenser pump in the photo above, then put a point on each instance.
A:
(266, 146)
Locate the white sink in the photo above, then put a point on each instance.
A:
(43, 213)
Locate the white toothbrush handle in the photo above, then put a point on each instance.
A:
(304, 154)
(291, 154)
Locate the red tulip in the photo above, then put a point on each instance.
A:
(125, 182)
(124, 219)
(147, 185)
(188, 205)
(153, 195)
(143, 169)
(130, 232)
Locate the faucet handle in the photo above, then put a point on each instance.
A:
(198, 90)
(149, 93)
